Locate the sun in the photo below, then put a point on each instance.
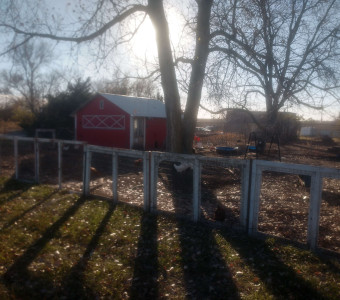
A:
(144, 44)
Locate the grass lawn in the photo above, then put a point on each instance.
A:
(56, 245)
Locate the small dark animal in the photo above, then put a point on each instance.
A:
(94, 172)
(305, 180)
(219, 214)
(138, 162)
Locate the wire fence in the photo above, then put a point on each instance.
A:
(296, 202)
(44, 161)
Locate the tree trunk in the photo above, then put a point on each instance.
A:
(197, 73)
(168, 76)
(272, 111)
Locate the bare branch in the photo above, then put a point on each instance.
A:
(16, 46)
(119, 18)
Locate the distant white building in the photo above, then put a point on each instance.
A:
(307, 131)
(330, 128)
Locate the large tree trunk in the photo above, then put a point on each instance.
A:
(168, 76)
(272, 111)
(197, 73)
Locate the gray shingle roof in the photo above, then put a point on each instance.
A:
(136, 106)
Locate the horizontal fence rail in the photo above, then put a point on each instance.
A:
(251, 177)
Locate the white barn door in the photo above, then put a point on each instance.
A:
(138, 133)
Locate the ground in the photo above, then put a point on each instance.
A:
(59, 245)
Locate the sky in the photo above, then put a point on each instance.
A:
(80, 61)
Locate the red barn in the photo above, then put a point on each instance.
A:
(122, 122)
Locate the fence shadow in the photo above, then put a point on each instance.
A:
(279, 278)
(145, 276)
(17, 218)
(18, 278)
(73, 286)
(16, 188)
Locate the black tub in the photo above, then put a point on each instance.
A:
(227, 150)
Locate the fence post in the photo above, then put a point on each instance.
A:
(87, 173)
(1, 142)
(254, 200)
(84, 166)
(196, 190)
(60, 164)
(36, 160)
(146, 180)
(314, 210)
(16, 158)
(245, 194)
(115, 177)
(153, 182)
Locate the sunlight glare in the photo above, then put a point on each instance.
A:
(144, 44)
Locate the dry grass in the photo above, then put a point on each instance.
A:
(56, 245)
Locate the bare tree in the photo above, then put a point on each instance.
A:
(285, 52)
(276, 49)
(105, 22)
(27, 78)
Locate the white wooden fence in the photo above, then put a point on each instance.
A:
(251, 179)
(317, 174)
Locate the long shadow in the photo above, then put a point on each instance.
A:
(333, 244)
(17, 218)
(208, 196)
(180, 185)
(17, 278)
(144, 282)
(73, 286)
(206, 273)
(13, 185)
(332, 199)
(279, 278)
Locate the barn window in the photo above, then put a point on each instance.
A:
(116, 122)
(101, 104)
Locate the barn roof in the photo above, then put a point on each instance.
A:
(136, 106)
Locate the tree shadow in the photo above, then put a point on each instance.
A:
(18, 278)
(279, 278)
(214, 180)
(17, 218)
(180, 185)
(206, 274)
(145, 276)
(332, 199)
(73, 286)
